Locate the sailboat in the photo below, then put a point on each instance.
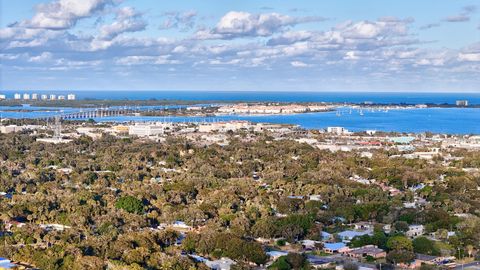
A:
(361, 112)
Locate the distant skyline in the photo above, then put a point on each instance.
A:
(346, 45)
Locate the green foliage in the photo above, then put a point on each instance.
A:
(424, 245)
(290, 261)
(130, 204)
(399, 242)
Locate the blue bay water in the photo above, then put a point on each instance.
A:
(437, 120)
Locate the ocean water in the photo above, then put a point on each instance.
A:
(294, 96)
(437, 120)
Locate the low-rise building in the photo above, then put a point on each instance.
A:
(366, 251)
(333, 248)
(338, 130)
(415, 230)
(142, 130)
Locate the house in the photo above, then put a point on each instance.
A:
(222, 264)
(53, 226)
(309, 244)
(368, 250)
(320, 262)
(348, 235)
(326, 236)
(433, 260)
(275, 254)
(387, 228)
(415, 230)
(332, 248)
(364, 226)
(180, 225)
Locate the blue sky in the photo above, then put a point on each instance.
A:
(343, 45)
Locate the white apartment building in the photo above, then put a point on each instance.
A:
(2, 97)
(34, 96)
(44, 97)
(338, 130)
(53, 97)
(26, 96)
(61, 97)
(71, 97)
(146, 130)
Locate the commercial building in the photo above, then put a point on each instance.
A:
(34, 96)
(461, 103)
(53, 97)
(71, 97)
(26, 96)
(61, 97)
(17, 96)
(3, 97)
(44, 97)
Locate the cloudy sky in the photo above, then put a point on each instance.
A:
(330, 45)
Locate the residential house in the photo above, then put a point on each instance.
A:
(368, 250)
(275, 254)
(415, 230)
(221, 264)
(333, 248)
(348, 235)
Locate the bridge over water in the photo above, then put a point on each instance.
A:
(97, 113)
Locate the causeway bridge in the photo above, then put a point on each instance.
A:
(97, 113)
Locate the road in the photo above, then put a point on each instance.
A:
(471, 266)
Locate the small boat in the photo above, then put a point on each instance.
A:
(361, 113)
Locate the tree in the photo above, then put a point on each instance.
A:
(401, 226)
(401, 249)
(424, 245)
(399, 242)
(130, 204)
(400, 256)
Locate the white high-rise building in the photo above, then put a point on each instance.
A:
(17, 96)
(44, 97)
(26, 96)
(71, 97)
(2, 97)
(53, 97)
(35, 96)
(61, 97)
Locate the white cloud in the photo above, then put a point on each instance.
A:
(41, 58)
(236, 24)
(471, 57)
(127, 20)
(299, 64)
(64, 14)
(180, 20)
